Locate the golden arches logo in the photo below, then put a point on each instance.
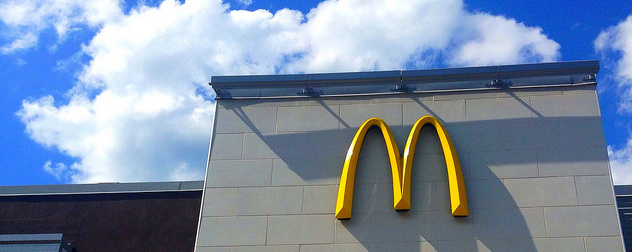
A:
(401, 167)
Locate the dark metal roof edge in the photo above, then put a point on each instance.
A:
(47, 237)
(101, 188)
(423, 92)
(444, 75)
(622, 190)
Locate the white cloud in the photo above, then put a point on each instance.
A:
(367, 35)
(618, 40)
(498, 40)
(621, 164)
(57, 170)
(245, 2)
(25, 19)
(138, 112)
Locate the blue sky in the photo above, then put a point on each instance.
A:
(106, 90)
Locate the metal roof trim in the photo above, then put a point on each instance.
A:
(355, 83)
(101, 188)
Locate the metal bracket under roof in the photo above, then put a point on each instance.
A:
(406, 81)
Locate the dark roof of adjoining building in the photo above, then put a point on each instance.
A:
(161, 216)
(406, 81)
(101, 188)
(623, 190)
(623, 195)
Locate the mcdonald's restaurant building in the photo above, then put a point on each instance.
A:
(500, 158)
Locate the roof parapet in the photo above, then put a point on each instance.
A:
(406, 81)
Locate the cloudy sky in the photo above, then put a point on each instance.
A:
(108, 90)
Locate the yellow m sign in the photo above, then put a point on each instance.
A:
(401, 167)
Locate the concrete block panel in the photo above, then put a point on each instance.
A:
(274, 145)
(479, 136)
(319, 199)
(308, 118)
(374, 227)
(281, 102)
(219, 202)
(436, 226)
(428, 141)
(565, 105)
(529, 92)
(459, 245)
(429, 160)
(238, 173)
(212, 249)
(229, 146)
(374, 143)
(331, 101)
(352, 247)
(594, 244)
(549, 134)
(464, 95)
(373, 169)
(373, 198)
(584, 89)
(573, 161)
(355, 115)
(520, 134)
(426, 196)
(378, 197)
(307, 171)
(554, 191)
(402, 98)
(230, 231)
(495, 109)
(245, 119)
(301, 229)
(508, 223)
(481, 245)
(429, 196)
(443, 196)
(466, 245)
(487, 194)
(594, 190)
(548, 244)
(445, 111)
(282, 248)
(395, 226)
(572, 133)
(503, 164)
(377, 169)
(329, 143)
(464, 159)
(581, 221)
(269, 200)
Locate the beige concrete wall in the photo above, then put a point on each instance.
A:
(534, 162)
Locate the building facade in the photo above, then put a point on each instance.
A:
(525, 142)
(503, 158)
(623, 194)
(158, 216)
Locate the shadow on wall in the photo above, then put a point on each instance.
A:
(485, 148)
(429, 225)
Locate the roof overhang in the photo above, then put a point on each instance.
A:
(406, 81)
